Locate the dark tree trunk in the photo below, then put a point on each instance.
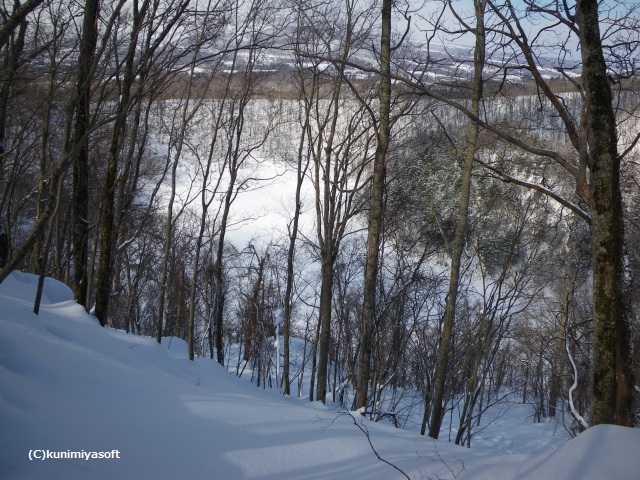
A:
(293, 236)
(7, 77)
(325, 324)
(18, 17)
(460, 231)
(376, 212)
(219, 273)
(81, 160)
(612, 379)
(108, 236)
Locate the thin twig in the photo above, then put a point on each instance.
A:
(364, 430)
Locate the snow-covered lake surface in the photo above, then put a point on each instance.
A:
(68, 385)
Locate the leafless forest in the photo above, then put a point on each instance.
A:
(461, 184)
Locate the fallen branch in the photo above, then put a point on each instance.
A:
(364, 430)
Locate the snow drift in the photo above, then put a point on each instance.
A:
(67, 385)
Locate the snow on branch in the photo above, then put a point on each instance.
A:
(561, 200)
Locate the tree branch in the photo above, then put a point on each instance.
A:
(539, 188)
(364, 430)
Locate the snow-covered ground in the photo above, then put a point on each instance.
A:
(68, 385)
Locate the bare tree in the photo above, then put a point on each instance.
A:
(184, 113)
(612, 381)
(392, 108)
(126, 99)
(342, 152)
(461, 226)
(254, 31)
(375, 210)
(594, 165)
(302, 166)
(17, 17)
(597, 177)
(74, 140)
(80, 202)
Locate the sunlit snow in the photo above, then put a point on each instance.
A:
(67, 384)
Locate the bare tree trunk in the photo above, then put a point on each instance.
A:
(18, 17)
(43, 254)
(107, 238)
(7, 85)
(612, 379)
(325, 322)
(237, 151)
(460, 230)
(301, 169)
(80, 202)
(185, 117)
(220, 289)
(376, 211)
(314, 361)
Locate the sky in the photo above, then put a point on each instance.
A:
(430, 9)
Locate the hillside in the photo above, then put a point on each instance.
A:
(66, 384)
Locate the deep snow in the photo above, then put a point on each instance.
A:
(68, 384)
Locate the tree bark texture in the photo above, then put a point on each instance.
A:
(611, 402)
(81, 161)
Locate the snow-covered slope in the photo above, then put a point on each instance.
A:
(604, 452)
(66, 384)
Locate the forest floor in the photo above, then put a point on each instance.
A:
(135, 409)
